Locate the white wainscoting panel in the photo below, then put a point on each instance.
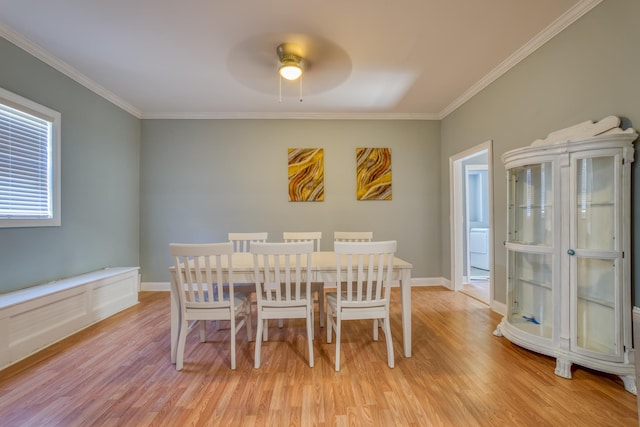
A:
(36, 317)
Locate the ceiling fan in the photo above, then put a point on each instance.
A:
(257, 62)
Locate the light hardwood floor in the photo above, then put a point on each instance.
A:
(478, 289)
(118, 373)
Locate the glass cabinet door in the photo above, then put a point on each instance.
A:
(596, 308)
(530, 292)
(595, 210)
(530, 204)
(529, 247)
(596, 257)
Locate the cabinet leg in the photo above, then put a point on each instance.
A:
(629, 383)
(498, 331)
(563, 368)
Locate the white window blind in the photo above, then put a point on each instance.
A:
(28, 153)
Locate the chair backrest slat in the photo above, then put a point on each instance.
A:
(286, 271)
(353, 236)
(303, 236)
(242, 241)
(199, 271)
(364, 270)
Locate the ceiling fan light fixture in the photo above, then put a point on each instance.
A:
(292, 64)
(290, 69)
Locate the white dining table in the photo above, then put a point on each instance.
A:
(323, 269)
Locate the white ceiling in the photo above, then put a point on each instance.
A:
(217, 58)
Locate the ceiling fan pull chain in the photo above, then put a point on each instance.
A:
(280, 89)
(300, 88)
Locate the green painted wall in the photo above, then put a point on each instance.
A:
(201, 179)
(587, 72)
(100, 155)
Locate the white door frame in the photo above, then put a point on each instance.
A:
(456, 212)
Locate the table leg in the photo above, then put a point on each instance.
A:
(405, 296)
(175, 318)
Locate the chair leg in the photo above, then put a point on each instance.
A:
(312, 315)
(310, 325)
(338, 327)
(375, 329)
(329, 326)
(203, 330)
(182, 339)
(387, 333)
(248, 321)
(321, 305)
(256, 363)
(232, 327)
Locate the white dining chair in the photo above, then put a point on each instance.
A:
(363, 287)
(304, 236)
(206, 294)
(317, 288)
(349, 236)
(242, 241)
(353, 236)
(283, 287)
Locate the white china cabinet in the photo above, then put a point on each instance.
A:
(568, 248)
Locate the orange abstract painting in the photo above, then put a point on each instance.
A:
(373, 169)
(306, 174)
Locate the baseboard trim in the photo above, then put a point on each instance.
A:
(155, 286)
(499, 307)
(430, 281)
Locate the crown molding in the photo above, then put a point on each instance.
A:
(32, 48)
(292, 116)
(557, 26)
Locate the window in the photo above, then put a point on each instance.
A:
(29, 163)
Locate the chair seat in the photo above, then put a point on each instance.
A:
(285, 303)
(332, 299)
(239, 300)
(284, 312)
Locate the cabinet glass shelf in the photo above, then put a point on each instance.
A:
(534, 282)
(595, 300)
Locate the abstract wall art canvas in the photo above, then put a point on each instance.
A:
(373, 170)
(306, 174)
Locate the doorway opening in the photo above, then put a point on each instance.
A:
(471, 222)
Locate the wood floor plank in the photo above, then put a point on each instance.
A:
(118, 373)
